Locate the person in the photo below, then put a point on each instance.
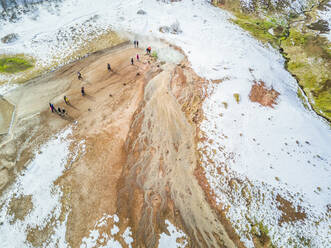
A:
(63, 111)
(51, 107)
(135, 43)
(149, 49)
(137, 56)
(59, 110)
(131, 61)
(79, 75)
(108, 67)
(66, 100)
(83, 91)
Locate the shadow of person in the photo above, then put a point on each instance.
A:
(68, 118)
(92, 98)
(72, 106)
(85, 81)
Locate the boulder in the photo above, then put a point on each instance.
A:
(173, 29)
(9, 38)
(141, 12)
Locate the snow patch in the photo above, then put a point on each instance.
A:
(38, 180)
(171, 240)
(103, 236)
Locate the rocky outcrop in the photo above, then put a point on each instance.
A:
(173, 28)
(141, 12)
(9, 38)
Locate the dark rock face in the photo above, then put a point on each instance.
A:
(12, 10)
(321, 25)
(9, 38)
(281, 7)
(141, 12)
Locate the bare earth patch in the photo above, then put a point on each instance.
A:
(261, 94)
(20, 207)
(289, 213)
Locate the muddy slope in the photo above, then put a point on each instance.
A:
(158, 179)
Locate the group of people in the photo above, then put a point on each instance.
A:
(62, 112)
(132, 60)
(59, 111)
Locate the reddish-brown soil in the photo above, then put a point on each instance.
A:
(261, 94)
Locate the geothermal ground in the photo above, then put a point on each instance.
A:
(131, 153)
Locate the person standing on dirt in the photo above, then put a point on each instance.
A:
(59, 110)
(83, 91)
(137, 56)
(52, 107)
(79, 75)
(66, 100)
(131, 61)
(148, 50)
(108, 67)
(137, 43)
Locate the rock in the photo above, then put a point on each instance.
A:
(174, 28)
(9, 38)
(141, 12)
(164, 29)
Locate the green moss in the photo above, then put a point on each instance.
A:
(292, 65)
(236, 97)
(296, 38)
(260, 28)
(309, 60)
(154, 55)
(261, 232)
(14, 64)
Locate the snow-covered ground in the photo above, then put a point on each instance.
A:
(283, 151)
(102, 236)
(37, 183)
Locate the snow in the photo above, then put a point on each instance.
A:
(114, 230)
(38, 180)
(103, 236)
(283, 151)
(127, 236)
(5, 88)
(166, 240)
